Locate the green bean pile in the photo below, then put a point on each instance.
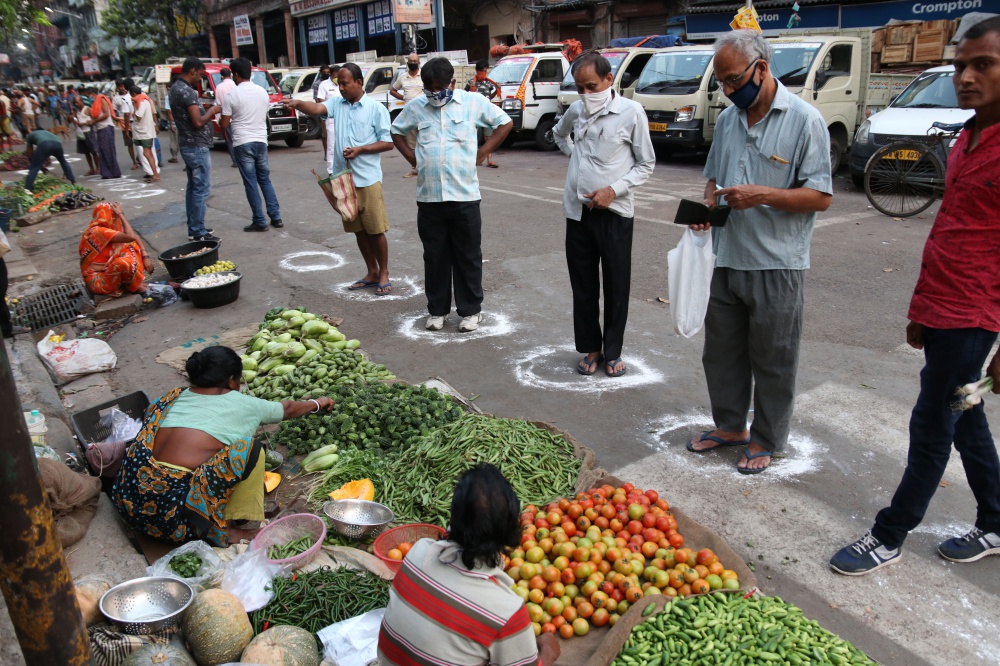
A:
(727, 629)
(320, 598)
(283, 551)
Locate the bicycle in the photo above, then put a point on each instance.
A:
(905, 177)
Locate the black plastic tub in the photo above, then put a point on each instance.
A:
(182, 268)
(211, 297)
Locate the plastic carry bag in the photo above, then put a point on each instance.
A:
(689, 271)
(211, 565)
(352, 642)
(75, 358)
(162, 294)
(248, 577)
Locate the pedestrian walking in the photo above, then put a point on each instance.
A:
(171, 125)
(244, 115)
(770, 161)
(102, 119)
(226, 85)
(324, 74)
(144, 133)
(122, 103)
(16, 116)
(409, 87)
(362, 132)
(194, 130)
(607, 140)
(41, 145)
(5, 125)
(65, 107)
(84, 145)
(954, 318)
(52, 98)
(29, 108)
(329, 89)
(448, 217)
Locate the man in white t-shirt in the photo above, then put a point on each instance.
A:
(409, 87)
(122, 104)
(144, 132)
(244, 114)
(328, 90)
(28, 105)
(221, 90)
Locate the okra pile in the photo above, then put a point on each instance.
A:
(730, 630)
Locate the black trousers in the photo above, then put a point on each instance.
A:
(599, 244)
(452, 233)
(44, 151)
(6, 328)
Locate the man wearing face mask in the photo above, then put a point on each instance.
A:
(770, 162)
(610, 155)
(409, 87)
(448, 219)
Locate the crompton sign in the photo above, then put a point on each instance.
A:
(878, 14)
(772, 21)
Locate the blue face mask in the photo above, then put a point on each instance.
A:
(439, 98)
(744, 96)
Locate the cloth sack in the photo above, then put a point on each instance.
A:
(72, 497)
(110, 647)
(689, 272)
(341, 193)
(75, 358)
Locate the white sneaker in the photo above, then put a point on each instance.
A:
(435, 323)
(470, 323)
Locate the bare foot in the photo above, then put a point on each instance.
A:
(703, 443)
(236, 534)
(760, 462)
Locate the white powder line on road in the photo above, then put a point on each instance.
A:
(559, 202)
(402, 288)
(325, 261)
(411, 327)
(849, 217)
(547, 368)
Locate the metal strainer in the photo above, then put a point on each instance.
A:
(357, 519)
(145, 605)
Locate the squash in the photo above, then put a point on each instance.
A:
(89, 591)
(271, 481)
(363, 489)
(161, 655)
(216, 627)
(282, 646)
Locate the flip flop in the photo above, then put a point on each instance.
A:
(611, 364)
(712, 438)
(751, 456)
(493, 166)
(596, 362)
(362, 284)
(384, 289)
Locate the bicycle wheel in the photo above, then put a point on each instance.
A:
(903, 179)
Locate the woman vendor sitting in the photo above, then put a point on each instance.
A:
(194, 466)
(113, 259)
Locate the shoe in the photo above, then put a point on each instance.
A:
(233, 165)
(206, 237)
(173, 160)
(28, 192)
(975, 545)
(435, 323)
(277, 224)
(192, 237)
(864, 556)
(470, 323)
(412, 173)
(254, 227)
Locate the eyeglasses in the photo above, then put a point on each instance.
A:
(733, 81)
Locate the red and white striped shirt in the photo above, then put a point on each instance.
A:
(442, 614)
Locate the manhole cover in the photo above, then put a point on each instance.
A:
(52, 306)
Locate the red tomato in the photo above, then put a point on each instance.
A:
(574, 511)
(652, 495)
(635, 527)
(676, 540)
(628, 487)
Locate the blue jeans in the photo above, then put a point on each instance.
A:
(953, 358)
(251, 158)
(199, 184)
(44, 151)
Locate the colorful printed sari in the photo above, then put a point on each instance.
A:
(108, 267)
(174, 504)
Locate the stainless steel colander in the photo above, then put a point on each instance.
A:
(357, 519)
(144, 605)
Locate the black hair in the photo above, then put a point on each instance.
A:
(482, 65)
(484, 515)
(128, 83)
(242, 68)
(225, 71)
(592, 59)
(322, 67)
(214, 367)
(192, 64)
(135, 90)
(120, 82)
(983, 28)
(437, 72)
(355, 71)
(334, 69)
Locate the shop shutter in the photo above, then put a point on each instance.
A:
(647, 25)
(580, 34)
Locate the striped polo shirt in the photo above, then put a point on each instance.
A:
(443, 614)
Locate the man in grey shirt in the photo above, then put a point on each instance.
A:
(610, 155)
(770, 161)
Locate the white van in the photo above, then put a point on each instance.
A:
(529, 92)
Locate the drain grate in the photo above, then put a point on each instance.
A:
(52, 306)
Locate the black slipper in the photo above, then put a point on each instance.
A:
(718, 440)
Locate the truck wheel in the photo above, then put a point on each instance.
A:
(295, 141)
(313, 129)
(543, 135)
(836, 153)
(859, 181)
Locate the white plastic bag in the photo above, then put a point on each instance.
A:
(248, 577)
(75, 358)
(689, 271)
(352, 642)
(211, 565)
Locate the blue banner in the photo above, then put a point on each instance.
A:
(772, 21)
(878, 14)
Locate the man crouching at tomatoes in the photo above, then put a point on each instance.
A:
(451, 602)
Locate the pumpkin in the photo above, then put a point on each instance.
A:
(282, 646)
(363, 489)
(162, 655)
(216, 627)
(89, 591)
(271, 481)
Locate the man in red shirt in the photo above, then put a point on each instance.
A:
(954, 317)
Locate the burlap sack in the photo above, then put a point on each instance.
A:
(72, 497)
(589, 474)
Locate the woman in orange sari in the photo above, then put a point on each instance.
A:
(113, 259)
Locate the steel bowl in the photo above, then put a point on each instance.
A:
(146, 605)
(357, 519)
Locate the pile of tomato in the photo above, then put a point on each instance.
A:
(584, 561)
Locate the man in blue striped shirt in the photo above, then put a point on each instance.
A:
(448, 220)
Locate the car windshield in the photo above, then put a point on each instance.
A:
(615, 58)
(259, 77)
(791, 62)
(510, 72)
(933, 90)
(288, 82)
(667, 71)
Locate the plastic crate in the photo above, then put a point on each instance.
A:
(86, 423)
(14, 205)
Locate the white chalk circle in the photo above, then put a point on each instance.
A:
(412, 326)
(73, 159)
(126, 187)
(555, 368)
(323, 261)
(402, 288)
(142, 194)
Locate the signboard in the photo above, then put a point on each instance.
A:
(412, 11)
(91, 65)
(878, 14)
(771, 20)
(379, 18)
(317, 30)
(244, 35)
(163, 73)
(345, 24)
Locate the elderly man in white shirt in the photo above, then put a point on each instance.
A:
(610, 154)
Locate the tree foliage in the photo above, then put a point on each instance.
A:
(18, 14)
(153, 19)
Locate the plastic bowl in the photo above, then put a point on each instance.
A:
(291, 528)
(211, 297)
(182, 268)
(146, 605)
(404, 533)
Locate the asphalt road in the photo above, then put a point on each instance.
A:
(857, 381)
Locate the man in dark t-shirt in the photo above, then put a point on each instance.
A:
(41, 145)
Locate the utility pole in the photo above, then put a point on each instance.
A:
(34, 578)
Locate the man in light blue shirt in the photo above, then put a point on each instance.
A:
(360, 133)
(448, 219)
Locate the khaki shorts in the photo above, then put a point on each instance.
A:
(371, 218)
(411, 139)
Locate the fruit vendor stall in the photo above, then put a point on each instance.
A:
(619, 574)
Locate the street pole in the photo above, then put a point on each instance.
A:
(34, 578)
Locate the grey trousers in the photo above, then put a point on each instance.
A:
(753, 331)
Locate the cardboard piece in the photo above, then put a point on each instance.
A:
(177, 356)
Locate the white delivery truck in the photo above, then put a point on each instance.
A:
(529, 91)
(627, 64)
(831, 70)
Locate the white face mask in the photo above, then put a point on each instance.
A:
(594, 103)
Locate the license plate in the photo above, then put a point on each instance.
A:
(657, 127)
(909, 155)
(281, 128)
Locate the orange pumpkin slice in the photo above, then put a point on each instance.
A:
(362, 489)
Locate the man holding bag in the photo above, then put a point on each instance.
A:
(771, 163)
(610, 154)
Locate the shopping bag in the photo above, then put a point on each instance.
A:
(76, 358)
(689, 272)
(340, 192)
